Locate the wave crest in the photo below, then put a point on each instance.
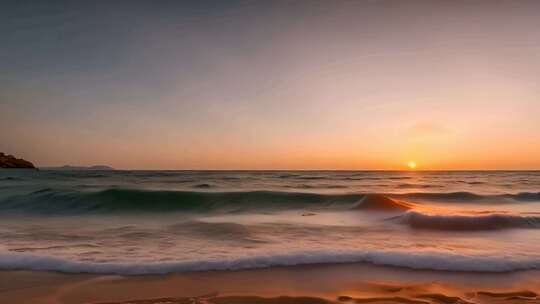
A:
(377, 202)
(414, 260)
(420, 220)
(58, 201)
(51, 201)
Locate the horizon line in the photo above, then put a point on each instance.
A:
(307, 170)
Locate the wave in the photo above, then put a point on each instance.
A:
(53, 201)
(526, 196)
(124, 200)
(416, 219)
(463, 196)
(446, 196)
(441, 261)
(379, 202)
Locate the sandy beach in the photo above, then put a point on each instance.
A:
(345, 283)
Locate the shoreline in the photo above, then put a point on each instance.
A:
(358, 282)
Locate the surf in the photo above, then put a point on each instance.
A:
(469, 222)
(441, 261)
(51, 201)
(118, 200)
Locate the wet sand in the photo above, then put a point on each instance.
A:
(315, 284)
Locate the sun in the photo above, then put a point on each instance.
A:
(411, 165)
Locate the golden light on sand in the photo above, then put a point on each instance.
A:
(411, 165)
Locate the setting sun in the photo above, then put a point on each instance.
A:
(411, 165)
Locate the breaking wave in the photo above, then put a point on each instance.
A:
(126, 200)
(378, 202)
(495, 221)
(414, 260)
(53, 201)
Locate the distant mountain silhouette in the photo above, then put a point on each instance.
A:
(68, 167)
(11, 162)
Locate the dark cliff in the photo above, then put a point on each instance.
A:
(10, 161)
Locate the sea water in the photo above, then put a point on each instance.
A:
(149, 222)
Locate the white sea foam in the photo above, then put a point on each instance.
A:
(416, 260)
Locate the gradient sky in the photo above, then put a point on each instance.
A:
(271, 84)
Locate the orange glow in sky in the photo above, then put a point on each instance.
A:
(337, 85)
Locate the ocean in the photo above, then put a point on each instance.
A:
(155, 222)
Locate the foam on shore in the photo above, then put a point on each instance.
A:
(443, 261)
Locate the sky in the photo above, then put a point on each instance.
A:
(272, 84)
